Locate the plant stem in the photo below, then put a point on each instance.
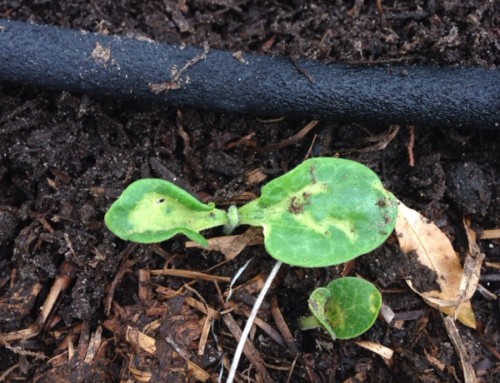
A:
(233, 220)
(308, 323)
(251, 319)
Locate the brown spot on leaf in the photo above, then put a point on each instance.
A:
(296, 206)
(387, 218)
(312, 170)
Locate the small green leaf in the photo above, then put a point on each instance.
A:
(346, 307)
(324, 212)
(154, 210)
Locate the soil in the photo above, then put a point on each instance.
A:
(66, 157)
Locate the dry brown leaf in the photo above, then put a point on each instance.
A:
(232, 245)
(434, 250)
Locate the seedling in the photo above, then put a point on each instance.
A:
(346, 307)
(324, 212)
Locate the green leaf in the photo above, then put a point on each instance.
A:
(346, 307)
(324, 212)
(154, 210)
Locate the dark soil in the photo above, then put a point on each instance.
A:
(66, 157)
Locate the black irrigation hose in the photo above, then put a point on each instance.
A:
(234, 82)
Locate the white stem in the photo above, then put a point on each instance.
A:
(251, 319)
(233, 220)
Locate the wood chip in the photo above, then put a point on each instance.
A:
(94, 345)
(490, 234)
(255, 176)
(145, 292)
(141, 340)
(435, 361)
(203, 307)
(377, 348)
(387, 314)
(140, 376)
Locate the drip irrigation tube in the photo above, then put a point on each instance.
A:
(262, 85)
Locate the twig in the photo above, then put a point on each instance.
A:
(468, 370)
(190, 274)
(490, 234)
(6, 373)
(291, 140)
(380, 141)
(264, 326)
(125, 264)
(411, 144)
(249, 350)
(282, 326)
